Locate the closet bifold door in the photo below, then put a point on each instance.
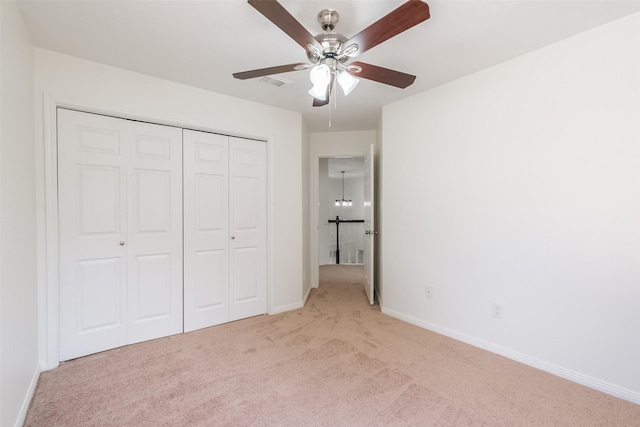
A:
(206, 229)
(224, 229)
(120, 232)
(155, 231)
(248, 228)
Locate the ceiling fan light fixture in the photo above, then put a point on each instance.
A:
(320, 75)
(347, 82)
(319, 92)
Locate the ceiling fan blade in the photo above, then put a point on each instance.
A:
(319, 103)
(384, 75)
(277, 14)
(401, 19)
(270, 70)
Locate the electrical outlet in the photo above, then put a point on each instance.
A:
(497, 311)
(428, 292)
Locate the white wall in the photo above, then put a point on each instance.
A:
(306, 212)
(332, 144)
(18, 298)
(520, 185)
(79, 82)
(324, 195)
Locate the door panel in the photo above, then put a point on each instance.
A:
(245, 274)
(152, 201)
(148, 146)
(96, 137)
(210, 283)
(92, 222)
(152, 287)
(155, 231)
(206, 230)
(99, 289)
(210, 211)
(247, 222)
(99, 200)
(246, 197)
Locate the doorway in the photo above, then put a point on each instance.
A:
(340, 210)
(341, 146)
(344, 223)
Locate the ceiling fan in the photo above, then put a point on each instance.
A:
(329, 52)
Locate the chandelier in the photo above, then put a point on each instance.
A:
(343, 201)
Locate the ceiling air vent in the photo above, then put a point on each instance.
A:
(275, 81)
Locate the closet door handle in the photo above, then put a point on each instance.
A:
(233, 237)
(121, 243)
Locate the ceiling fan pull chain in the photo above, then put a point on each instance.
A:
(335, 98)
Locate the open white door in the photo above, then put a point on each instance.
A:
(369, 226)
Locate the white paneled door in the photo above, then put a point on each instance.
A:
(120, 231)
(369, 225)
(225, 229)
(248, 228)
(206, 230)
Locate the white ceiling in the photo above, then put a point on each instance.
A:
(352, 166)
(201, 43)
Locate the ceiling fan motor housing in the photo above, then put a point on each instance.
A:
(331, 46)
(330, 41)
(328, 19)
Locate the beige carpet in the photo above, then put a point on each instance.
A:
(336, 362)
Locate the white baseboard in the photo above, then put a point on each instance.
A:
(306, 296)
(289, 307)
(377, 296)
(560, 371)
(22, 415)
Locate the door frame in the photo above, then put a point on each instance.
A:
(47, 207)
(319, 151)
